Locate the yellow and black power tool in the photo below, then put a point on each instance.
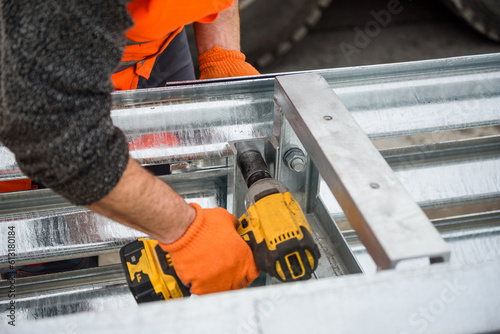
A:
(274, 227)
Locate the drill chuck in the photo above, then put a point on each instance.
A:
(251, 164)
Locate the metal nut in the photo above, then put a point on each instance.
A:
(295, 159)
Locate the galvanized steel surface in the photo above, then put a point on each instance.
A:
(386, 100)
(71, 232)
(205, 117)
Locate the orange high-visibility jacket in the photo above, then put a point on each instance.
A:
(156, 23)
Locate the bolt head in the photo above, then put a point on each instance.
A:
(295, 159)
(298, 164)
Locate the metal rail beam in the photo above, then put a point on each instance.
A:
(389, 222)
(386, 100)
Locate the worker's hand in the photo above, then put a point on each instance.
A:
(221, 63)
(211, 256)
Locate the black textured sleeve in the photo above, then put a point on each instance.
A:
(56, 60)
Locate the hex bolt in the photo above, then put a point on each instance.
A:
(295, 159)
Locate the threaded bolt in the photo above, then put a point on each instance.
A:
(295, 159)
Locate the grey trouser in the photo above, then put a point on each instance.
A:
(173, 64)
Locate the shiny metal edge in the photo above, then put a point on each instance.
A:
(437, 299)
(330, 232)
(112, 274)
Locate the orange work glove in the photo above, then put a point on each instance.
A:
(221, 63)
(211, 256)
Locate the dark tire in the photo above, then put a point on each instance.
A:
(270, 27)
(482, 15)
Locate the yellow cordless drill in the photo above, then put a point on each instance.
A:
(274, 227)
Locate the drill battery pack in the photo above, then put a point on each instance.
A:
(150, 273)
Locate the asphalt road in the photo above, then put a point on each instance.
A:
(420, 30)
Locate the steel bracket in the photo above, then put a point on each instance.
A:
(389, 222)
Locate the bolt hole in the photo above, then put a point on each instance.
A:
(374, 185)
(327, 118)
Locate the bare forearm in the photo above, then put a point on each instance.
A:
(144, 202)
(223, 32)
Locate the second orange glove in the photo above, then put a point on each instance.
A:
(221, 63)
(211, 256)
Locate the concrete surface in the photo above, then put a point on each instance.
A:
(416, 30)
